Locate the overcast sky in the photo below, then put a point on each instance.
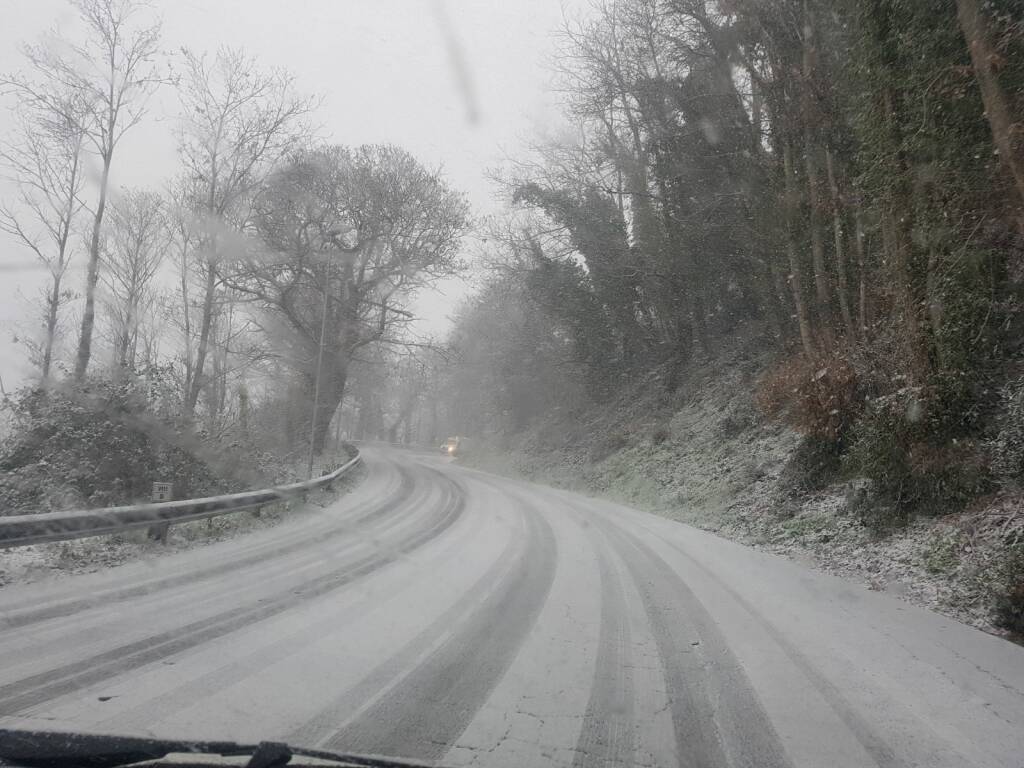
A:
(384, 72)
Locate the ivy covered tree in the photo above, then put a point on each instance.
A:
(840, 180)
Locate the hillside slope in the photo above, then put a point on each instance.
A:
(705, 455)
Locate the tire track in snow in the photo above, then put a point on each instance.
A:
(418, 704)
(35, 689)
(717, 716)
(607, 735)
(16, 619)
(873, 744)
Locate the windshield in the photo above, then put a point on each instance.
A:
(520, 383)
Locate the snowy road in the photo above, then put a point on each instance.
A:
(452, 616)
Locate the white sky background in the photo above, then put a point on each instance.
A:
(385, 75)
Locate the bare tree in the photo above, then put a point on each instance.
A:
(349, 235)
(113, 71)
(150, 332)
(133, 249)
(1006, 127)
(44, 161)
(238, 121)
(178, 306)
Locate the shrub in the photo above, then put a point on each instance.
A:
(812, 466)
(607, 444)
(941, 552)
(96, 443)
(874, 510)
(946, 477)
(1008, 605)
(820, 397)
(735, 424)
(878, 444)
(902, 444)
(1008, 445)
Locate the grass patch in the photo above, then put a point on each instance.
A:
(941, 551)
(805, 526)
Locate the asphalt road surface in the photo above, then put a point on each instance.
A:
(447, 615)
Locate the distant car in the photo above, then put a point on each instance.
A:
(450, 447)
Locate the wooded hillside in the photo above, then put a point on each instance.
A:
(842, 182)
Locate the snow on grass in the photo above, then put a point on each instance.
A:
(38, 562)
(705, 456)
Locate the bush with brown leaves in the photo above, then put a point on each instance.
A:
(819, 396)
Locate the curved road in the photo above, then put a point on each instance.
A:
(448, 615)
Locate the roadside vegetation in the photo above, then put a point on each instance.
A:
(786, 240)
(201, 331)
(768, 279)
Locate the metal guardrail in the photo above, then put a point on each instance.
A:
(18, 530)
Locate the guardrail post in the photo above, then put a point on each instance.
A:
(156, 518)
(159, 531)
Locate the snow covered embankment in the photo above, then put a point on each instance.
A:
(709, 458)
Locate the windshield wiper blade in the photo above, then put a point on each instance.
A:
(48, 749)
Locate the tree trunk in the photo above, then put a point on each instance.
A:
(123, 343)
(221, 357)
(334, 377)
(243, 407)
(53, 300)
(186, 323)
(362, 420)
(692, 292)
(974, 27)
(218, 381)
(92, 277)
(795, 270)
(779, 293)
(125, 351)
(417, 430)
(897, 246)
(700, 325)
(774, 289)
(934, 299)
(897, 243)
(863, 321)
(370, 422)
(840, 250)
(52, 308)
(775, 312)
(204, 339)
(810, 119)
(821, 287)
